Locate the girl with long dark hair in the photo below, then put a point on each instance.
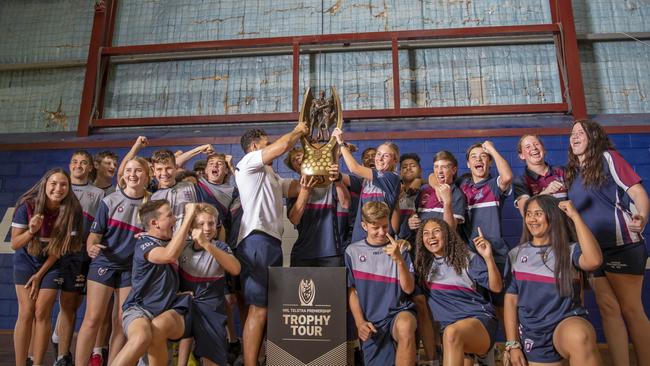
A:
(609, 195)
(45, 226)
(545, 321)
(450, 275)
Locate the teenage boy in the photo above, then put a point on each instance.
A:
(217, 188)
(380, 276)
(485, 195)
(411, 175)
(316, 214)
(179, 194)
(260, 233)
(105, 164)
(153, 312)
(74, 266)
(441, 198)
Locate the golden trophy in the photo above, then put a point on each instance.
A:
(322, 115)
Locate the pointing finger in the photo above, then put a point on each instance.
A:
(480, 233)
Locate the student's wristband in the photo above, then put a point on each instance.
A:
(510, 345)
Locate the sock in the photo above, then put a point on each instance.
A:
(59, 357)
(97, 351)
(55, 337)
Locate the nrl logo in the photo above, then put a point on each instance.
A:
(306, 292)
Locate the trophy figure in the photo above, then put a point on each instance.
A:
(322, 115)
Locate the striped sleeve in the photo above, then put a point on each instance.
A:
(621, 171)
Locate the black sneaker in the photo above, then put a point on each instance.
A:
(64, 361)
(29, 361)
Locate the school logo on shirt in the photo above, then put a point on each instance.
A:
(478, 196)
(102, 271)
(120, 208)
(362, 258)
(524, 259)
(306, 292)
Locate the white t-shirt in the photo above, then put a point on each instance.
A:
(260, 191)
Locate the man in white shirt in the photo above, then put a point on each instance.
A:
(260, 234)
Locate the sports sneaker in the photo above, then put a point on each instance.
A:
(96, 360)
(64, 361)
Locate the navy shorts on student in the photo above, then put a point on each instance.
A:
(257, 252)
(74, 271)
(379, 349)
(209, 331)
(26, 265)
(625, 259)
(51, 280)
(107, 276)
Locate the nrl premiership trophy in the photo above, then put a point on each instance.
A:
(322, 115)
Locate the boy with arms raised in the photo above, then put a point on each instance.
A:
(153, 312)
(380, 277)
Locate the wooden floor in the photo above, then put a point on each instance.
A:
(7, 352)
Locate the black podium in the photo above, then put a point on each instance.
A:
(306, 316)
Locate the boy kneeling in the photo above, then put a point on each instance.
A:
(380, 275)
(154, 312)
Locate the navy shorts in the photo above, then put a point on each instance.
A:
(51, 279)
(491, 325)
(209, 330)
(182, 305)
(257, 252)
(379, 349)
(538, 345)
(624, 259)
(108, 276)
(74, 270)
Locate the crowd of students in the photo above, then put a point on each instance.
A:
(167, 254)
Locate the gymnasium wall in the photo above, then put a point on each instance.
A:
(44, 45)
(20, 169)
(43, 51)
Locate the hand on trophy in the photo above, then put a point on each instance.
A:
(301, 128)
(335, 174)
(338, 134)
(308, 183)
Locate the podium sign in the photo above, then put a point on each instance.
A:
(306, 316)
